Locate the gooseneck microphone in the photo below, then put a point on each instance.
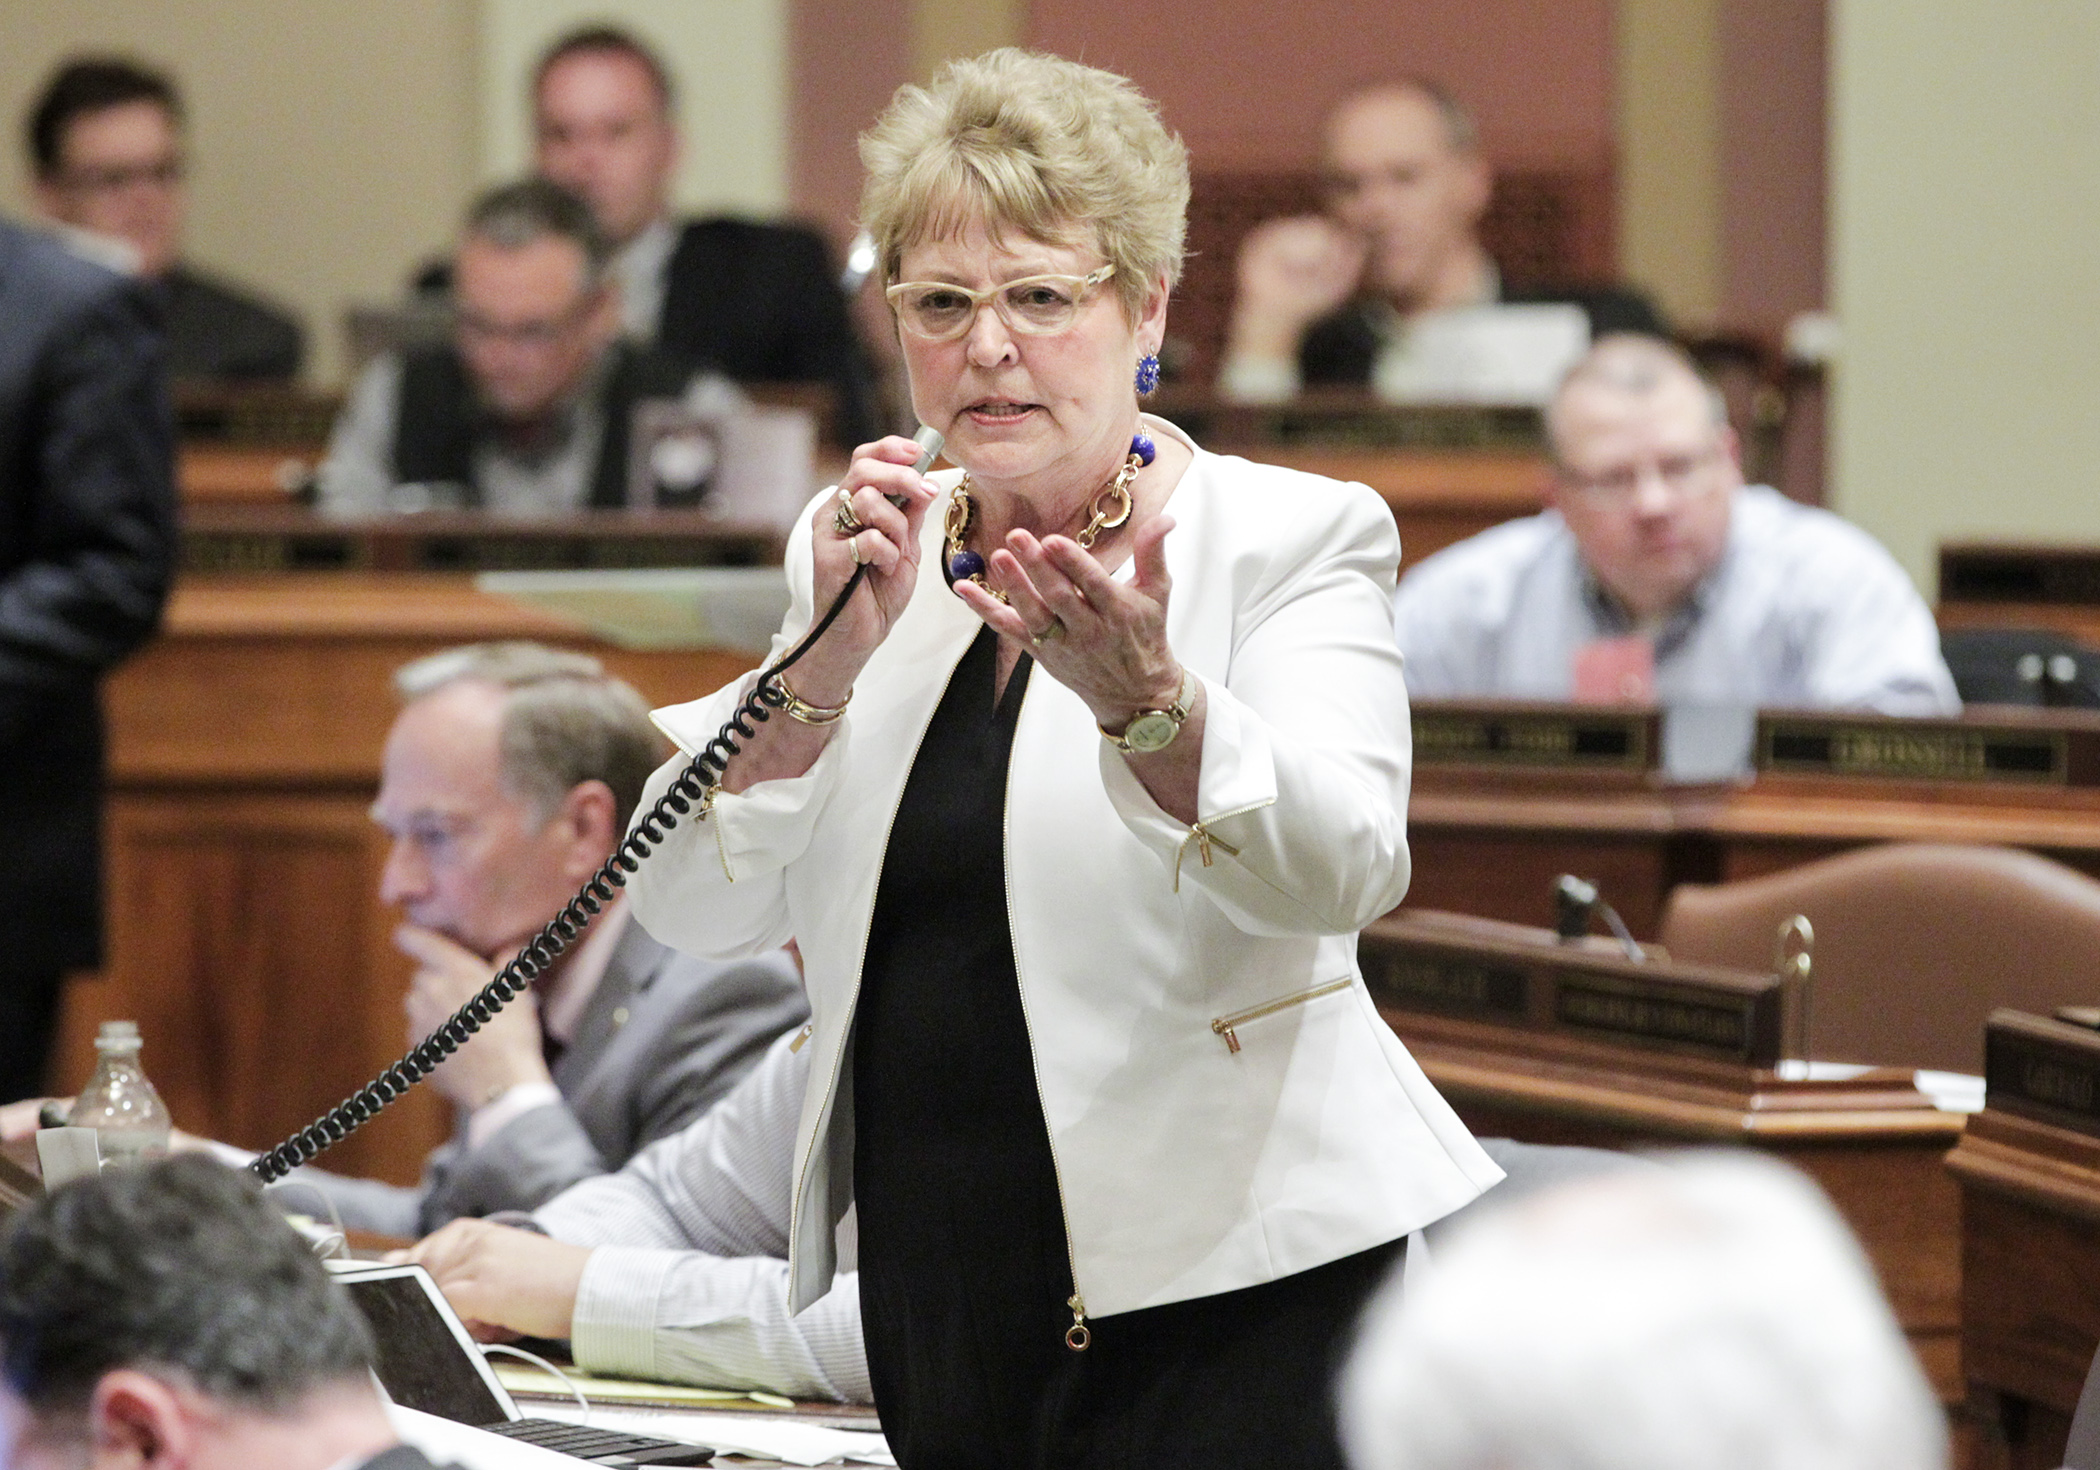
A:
(1575, 901)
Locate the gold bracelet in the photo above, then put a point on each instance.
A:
(801, 709)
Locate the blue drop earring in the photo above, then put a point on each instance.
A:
(1148, 373)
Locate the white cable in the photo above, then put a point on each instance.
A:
(545, 1367)
(325, 1246)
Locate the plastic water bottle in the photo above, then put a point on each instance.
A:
(129, 1119)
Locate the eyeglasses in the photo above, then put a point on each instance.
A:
(164, 173)
(1035, 306)
(1683, 475)
(541, 334)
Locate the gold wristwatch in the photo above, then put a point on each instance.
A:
(1154, 729)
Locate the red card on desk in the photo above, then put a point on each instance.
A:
(1615, 671)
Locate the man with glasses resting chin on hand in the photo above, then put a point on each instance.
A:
(527, 410)
(1657, 576)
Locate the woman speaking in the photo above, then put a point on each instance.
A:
(1075, 814)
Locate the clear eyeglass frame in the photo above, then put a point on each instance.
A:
(1033, 306)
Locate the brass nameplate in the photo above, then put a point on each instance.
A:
(1571, 740)
(1925, 750)
(1508, 975)
(1723, 1025)
(2043, 1069)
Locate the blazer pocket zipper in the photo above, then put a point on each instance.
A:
(1228, 1026)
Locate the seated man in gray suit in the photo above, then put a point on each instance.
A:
(508, 777)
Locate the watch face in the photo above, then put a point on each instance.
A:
(1153, 730)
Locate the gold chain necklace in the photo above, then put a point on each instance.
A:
(1111, 508)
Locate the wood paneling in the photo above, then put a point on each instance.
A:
(2030, 1279)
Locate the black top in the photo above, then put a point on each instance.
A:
(964, 1266)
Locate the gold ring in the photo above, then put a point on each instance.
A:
(1051, 634)
(844, 520)
(853, 547)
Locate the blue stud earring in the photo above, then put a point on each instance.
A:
(1148, 372)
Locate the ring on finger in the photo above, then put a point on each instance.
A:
(853, 547)
(1051, 634)
(844, 520)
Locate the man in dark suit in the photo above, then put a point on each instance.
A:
(1329, 298)
(87, 547)
(759, 302)
(105, 142)
(164, 1314)
(507, 779)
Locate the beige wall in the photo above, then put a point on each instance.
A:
(1965, 193)
(332, 141)
(1668, 108)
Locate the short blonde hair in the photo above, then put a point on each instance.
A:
(1033, 143)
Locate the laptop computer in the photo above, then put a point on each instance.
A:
(427, 1361)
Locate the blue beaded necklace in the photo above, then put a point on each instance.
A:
(1111, 509)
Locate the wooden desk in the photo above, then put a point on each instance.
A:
(1491, 842)
(2029, 1175)
(245, 932)
(1437, 496)
(1874, 1144)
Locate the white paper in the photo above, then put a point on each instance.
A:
(1509, 355)
(658, 607)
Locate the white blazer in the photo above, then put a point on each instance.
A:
(1225, 1105)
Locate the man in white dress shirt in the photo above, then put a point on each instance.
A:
(675, 1268)
(1657, 576)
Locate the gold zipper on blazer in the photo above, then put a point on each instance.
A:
(1228, 1026)
(1204, 838)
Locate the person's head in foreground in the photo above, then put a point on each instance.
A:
(164, 1315)
(1029, 215)
(1644, 470)
(1714, 1316)
(534, 308)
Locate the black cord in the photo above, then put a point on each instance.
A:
(689, 786)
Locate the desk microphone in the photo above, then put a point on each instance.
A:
(1575, 901)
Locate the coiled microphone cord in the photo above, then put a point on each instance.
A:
(694, 784)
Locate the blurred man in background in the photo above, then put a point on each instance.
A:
(528, 410)
(106, 146)
(1657, 576)
(1330, 299)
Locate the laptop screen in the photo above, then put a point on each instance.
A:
(419, 1360)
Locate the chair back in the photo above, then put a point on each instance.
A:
(1915, 944)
